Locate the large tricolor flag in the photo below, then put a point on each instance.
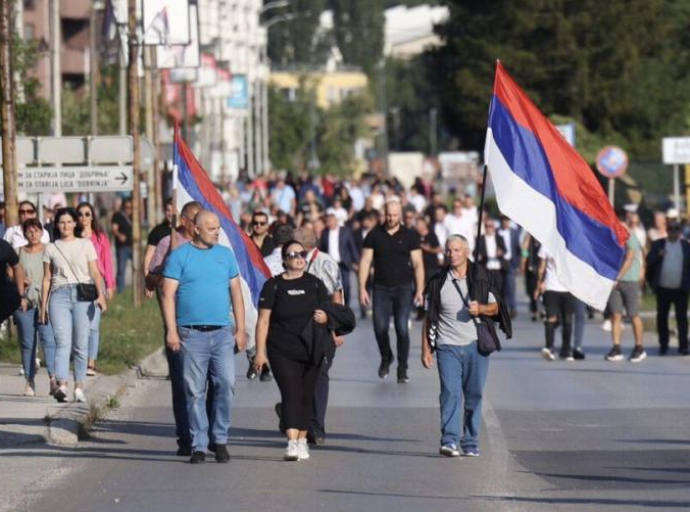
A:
(192, 183)
(545, 186)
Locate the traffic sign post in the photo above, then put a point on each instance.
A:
(612, 162)
(676, 151)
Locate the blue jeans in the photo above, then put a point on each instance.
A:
(395, 300)
(462, 371)
(124, 255)
(30, 331)
(95, 334)
(208, 355)
(71, 321)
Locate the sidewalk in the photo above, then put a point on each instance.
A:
(40, 418)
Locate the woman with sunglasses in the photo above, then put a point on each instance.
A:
(88, 228)
(67, 263)
(26, 317)
(287, 303)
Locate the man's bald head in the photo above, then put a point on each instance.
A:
(306, 236)
(207, 228)
(393, 214)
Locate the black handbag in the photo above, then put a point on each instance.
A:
(487, 340)
(86, 292)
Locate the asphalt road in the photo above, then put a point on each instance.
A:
(588, 435)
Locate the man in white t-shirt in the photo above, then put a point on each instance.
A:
(559, 305)
(458, 222)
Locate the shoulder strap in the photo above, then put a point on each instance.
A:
(311, 260)
(462, 296)
(66, 260)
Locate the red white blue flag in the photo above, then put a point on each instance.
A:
(192, 183)
(544, 185)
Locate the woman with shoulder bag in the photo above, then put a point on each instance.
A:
(287, 303)
(69, 297)
(27, 317)
(89, 229)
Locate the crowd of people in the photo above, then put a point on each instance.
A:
(405, 250)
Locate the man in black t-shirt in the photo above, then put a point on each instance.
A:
(260, 234)
(10, 293)
(157, 234)
(397, 257)
(122, 232)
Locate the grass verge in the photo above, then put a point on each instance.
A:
(128, 334)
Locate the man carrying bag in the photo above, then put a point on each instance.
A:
(462, 306)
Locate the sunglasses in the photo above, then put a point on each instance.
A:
(27, 211)
(84, 214)
(296, 254)
(258, 223)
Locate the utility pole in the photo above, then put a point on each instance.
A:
(55, 47)
(133, 89)
(149, 120)
(122, 90)
(384, 115)
(433, 132)
(264, 125)
(93, 68)
(9, 161)
(251, 169)
(157, 178)
(258, 128)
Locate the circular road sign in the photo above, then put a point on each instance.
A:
(612, 162)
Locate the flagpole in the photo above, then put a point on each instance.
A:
(481, 214)
(173, 224)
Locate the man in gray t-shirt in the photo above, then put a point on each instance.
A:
(455, 325)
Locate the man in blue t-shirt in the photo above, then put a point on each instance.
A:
(201, 295)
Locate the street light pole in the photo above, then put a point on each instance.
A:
(133, 88)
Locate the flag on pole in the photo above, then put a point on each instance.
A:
(544, 185)
(192, 183)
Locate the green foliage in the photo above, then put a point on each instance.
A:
(335, 130)
(358, 27)
(294, 41)
(618, 67)
(32, 112)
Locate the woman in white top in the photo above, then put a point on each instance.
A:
(69, 262)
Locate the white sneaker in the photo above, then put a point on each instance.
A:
(449, 450)
(302, 449)
(291, 452)
(79, 395)
(547, 354)
(30, 389)
(606, 326)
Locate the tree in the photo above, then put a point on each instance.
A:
(358, 28)
(619, 67)
(33, 112)
(295, 41)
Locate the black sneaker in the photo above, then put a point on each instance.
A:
(212, 447)
(567, 357)
(684, 352)
(402, 376)
(315, 439)
(663, 351)
(222, 455)
(614, 354)
(184, 450)
(251, 371)
(578, 354)
(265, 374)
(198, 458)
(383, 369)
(279, 412)
(638, 354)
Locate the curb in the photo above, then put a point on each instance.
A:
(75, 420)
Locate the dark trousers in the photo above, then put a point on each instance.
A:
(498, 279)
(178, 397)
(296, 381)
(509, 288)
(345, 278)
(679, 299)
(531, 287)
(124, 255)
(396, 301)
(560, 305)
(317, 425)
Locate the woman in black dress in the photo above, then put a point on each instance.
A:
(287, 303)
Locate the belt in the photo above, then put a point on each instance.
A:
(203, 328)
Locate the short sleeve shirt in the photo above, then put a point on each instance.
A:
(292, 303)
(633, 273)
(203, 293)
(392, 264)
(324, 267)
(70, 261)
(455, 324)
(158, 233)
(8, 258)
(124, 224)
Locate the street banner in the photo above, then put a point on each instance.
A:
(182, 56)
(545, 186)
(192, 183)
(239, 98)
(166, 22)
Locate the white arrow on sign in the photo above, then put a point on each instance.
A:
(75, 179)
